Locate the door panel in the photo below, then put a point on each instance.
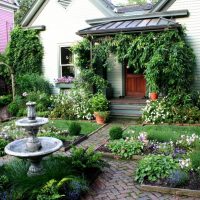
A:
(135, 85)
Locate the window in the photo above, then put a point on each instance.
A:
(66, 62)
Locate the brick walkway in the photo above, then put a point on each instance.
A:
(116, 181)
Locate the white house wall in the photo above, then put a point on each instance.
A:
(61, 27)
(114, 76)
(192, 29)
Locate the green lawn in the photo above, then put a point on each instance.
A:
(87, 127)
(162, 133)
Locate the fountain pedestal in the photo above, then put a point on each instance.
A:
(33, 148)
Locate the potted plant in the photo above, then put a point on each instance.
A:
(100, 106)
(153, 92)
(64, 82)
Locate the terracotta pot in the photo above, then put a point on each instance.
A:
(153, 96)
(99, 119)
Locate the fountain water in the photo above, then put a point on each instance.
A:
(33, 147)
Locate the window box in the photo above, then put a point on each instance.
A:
(64, 85)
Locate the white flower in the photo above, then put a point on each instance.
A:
(24, 94)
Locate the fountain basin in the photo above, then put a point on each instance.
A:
(25, 122)
(18, 148)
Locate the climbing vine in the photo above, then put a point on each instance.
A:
(165, 58)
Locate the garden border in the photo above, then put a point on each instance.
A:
(173, 191)
(169, 124)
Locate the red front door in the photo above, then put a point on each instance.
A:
(135, 85)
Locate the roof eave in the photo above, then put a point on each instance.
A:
(166, 14)
(9, 5)
(131, 30)
(31, 13)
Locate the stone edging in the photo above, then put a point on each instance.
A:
(97, 130)
(173, 191)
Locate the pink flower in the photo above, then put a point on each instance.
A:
(64, 79)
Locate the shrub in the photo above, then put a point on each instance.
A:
(5, 100)
(154, 167)
(82, 159)
(32, 83)
(126, 148)
(3, 143)
(75, 105)
(178, 178)
(74, 128)
(15, 106)
(115, 133)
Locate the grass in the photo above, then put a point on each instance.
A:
(87, 127)
(162, 133)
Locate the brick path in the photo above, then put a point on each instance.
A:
(116, 181)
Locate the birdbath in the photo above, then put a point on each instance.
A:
(33, 148)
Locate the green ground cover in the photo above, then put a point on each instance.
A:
(87, 127)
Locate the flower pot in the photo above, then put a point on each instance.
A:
(101, 118)
(153, 96)
(64, 85)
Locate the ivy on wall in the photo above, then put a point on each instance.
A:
(25, 52)
(165, 58)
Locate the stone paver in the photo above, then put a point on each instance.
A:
(116, 181)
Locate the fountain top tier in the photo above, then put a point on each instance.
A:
(31, 120)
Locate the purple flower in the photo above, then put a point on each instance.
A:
(64, 79)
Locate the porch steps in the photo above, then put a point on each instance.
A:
(127, 109)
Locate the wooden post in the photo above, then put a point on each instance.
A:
(91, 56)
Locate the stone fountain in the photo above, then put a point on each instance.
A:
(33, 148)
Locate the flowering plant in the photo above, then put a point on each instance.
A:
(64, 79)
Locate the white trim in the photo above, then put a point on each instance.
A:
(9, 5)
(32, 12)
(6, 9)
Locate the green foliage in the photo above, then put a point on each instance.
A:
(3, 143)
(115, 133)
(32, 83)
(83, 160)
(49, 191)
(126, 148)
(178, 178)
(99, 102)
(25, 5)
(24, 52)
(5, 100)
(89, 79)
(18, 106)
(82, 51)
(59, 178)
(164, 58)
(74, 128)
(171, 109)
(154, 167)
(75, 105)
(195, 160)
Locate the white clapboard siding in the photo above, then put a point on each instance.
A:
(114, 76)
(192, 29)
(61, 27)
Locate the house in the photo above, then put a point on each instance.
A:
(173, 13)
(7, 9)
(102, 17)
(58, 31)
